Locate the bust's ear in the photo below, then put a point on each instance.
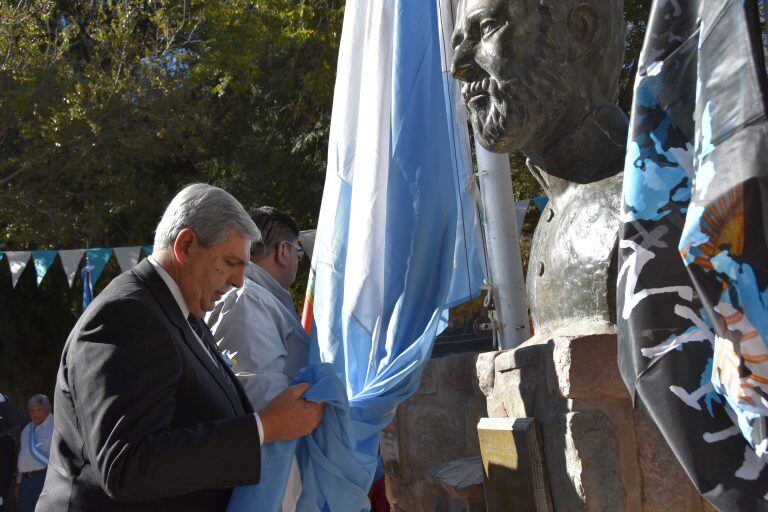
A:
(582, 26)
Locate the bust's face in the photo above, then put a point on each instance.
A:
(515, 73)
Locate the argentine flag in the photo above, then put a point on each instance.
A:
(396, 243)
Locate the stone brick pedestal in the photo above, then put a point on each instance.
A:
(433, 429)
(601, 455)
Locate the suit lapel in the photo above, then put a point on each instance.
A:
(162, 294)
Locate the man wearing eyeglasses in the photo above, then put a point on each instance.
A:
(257, 326)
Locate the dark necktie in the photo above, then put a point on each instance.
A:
(200, 330)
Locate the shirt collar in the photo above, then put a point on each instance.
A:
(172, 286)
(48, 419)
(263, 278)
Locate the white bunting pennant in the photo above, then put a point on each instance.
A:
(127, 257)
(17, 261)
(307, 239)
(70, 259)
(521, 208)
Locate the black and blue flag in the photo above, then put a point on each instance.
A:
(693, 269)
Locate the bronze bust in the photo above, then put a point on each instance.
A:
(542, 76)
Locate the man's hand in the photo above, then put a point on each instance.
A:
(289, 416)
(16, 489)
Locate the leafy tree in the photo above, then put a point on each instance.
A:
(107, 108)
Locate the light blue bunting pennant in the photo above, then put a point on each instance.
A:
(147, 250)
(98, 258)
(540, 202)
(43, 261)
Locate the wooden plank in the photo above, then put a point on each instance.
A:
(514, 469)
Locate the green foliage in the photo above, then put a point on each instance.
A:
(108, 108)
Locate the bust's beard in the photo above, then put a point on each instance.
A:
(522, 108)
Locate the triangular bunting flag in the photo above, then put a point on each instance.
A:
(127, 257)
(147, 250)
(521, 208)
(99, 259)
(17, 260)
(307, 239)
(540, 202)
(70, 259)
(43, 261)
(2, 255)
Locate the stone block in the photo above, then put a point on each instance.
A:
(476, 409)
(525, 356)
(592, 461)
(513, 394)
(428, 436)
(458, 372)
(665, 484)
(586, 367)
(486, 371)
(495, 404)
(429, 378)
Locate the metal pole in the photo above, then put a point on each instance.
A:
(509, 317)
(505, 271)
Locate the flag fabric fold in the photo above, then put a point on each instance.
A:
(693, 268)
(394, 248)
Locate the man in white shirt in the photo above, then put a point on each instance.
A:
(34, 448)
(257, 326)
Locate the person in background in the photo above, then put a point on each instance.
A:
(34, 448)
(257, 325)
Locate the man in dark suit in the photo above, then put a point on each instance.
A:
(147, 415)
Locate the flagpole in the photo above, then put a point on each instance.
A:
(505, 269)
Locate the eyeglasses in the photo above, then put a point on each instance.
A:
(299, 248)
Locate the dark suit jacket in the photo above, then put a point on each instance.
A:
(144, 419)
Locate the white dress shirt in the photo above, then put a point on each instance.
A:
(43, 433)
(258, 328)
(173, 287)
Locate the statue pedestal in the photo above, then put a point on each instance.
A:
(431, 453)
(600, 453)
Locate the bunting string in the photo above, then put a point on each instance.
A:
(128, 257)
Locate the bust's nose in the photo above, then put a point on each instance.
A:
(463, 65)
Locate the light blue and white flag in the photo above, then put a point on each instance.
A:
(394, 250)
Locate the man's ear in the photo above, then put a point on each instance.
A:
(185, 241)
(281, 254)
(583, 26)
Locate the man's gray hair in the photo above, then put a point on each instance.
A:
(39, 400)
(210, 212)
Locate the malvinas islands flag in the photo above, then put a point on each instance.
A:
(394, 250)
(693, 268)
